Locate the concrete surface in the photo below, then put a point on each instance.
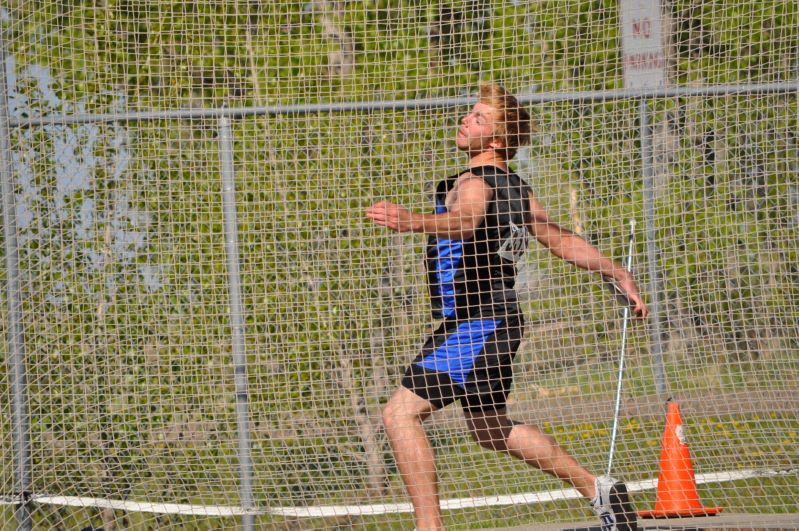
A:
(721, 522)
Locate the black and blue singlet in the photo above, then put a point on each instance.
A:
(471, 284)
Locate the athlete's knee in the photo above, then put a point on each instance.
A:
(391, 417)
(398, 413)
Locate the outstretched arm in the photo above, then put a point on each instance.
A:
(574, 249)
(466, 209)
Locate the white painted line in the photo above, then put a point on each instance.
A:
(512, 499)
(374, 509)
(144, 507)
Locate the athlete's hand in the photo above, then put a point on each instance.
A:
(630, 289)
(395, 217)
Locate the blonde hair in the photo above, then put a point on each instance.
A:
(515, 124)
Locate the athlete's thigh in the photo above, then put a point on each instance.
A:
(488, 424)
(406, 403)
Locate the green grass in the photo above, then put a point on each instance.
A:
(717, 444)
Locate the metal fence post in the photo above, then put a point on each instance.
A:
(236, 319)
(16, 346)
(648, 173)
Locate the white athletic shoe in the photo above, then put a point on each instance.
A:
(612, 505)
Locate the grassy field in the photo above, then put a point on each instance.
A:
(738, 443)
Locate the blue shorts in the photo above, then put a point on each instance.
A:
(470, 361)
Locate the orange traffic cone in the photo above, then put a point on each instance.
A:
(676, 494)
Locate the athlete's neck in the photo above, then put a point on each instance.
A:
(488, 158)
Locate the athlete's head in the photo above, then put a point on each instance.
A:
(497, 121)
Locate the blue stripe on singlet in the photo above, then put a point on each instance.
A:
(448, 258)
(457, 354)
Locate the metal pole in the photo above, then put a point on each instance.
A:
(236, 319)
(596, 96)
(617, 407)
(16, 346)
(648, 173)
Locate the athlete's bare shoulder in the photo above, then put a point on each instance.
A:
(471, 184)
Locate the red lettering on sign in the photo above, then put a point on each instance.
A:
(642, 28)
(644, 61)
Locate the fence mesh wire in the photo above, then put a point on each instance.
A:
(124, 278)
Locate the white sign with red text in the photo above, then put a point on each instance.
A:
(643, 58)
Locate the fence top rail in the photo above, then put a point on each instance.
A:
(597, 96)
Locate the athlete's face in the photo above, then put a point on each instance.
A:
(477, 132)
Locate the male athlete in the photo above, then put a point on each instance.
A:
(477, 234)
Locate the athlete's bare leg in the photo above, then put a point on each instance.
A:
(402, 417)
(495, 431)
